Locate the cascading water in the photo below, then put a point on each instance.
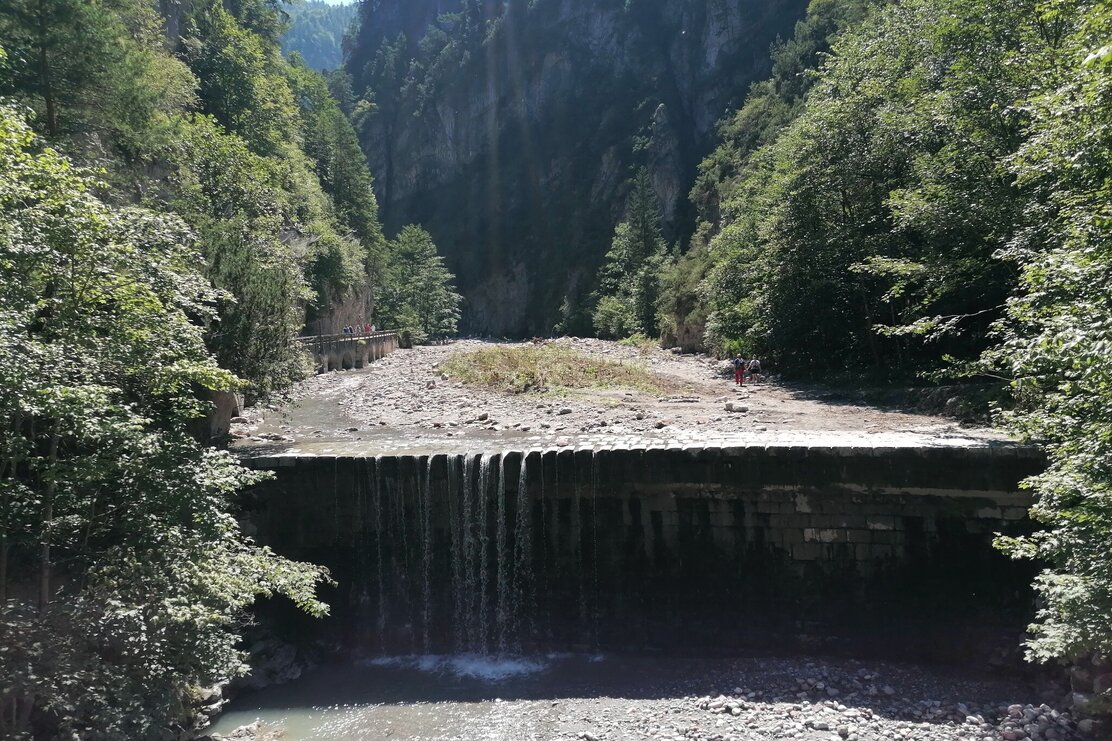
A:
(455, 532)
(521, 596)
(502, 561)
(466, 595)
(472, 590)
(594, 549)
(379, 551)
(426, 554)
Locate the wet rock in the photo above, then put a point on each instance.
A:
(1102, 683)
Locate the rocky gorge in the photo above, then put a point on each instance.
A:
(511, 130)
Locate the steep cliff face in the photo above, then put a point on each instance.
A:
(511, 131)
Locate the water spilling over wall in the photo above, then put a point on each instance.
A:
(716, 550)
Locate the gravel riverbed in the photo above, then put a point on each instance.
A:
(405, 403)
(657, 699)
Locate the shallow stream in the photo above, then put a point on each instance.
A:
(468, 697)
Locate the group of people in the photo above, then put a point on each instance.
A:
(359, 329)
(743, 367)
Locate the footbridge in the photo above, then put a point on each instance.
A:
(348, 351)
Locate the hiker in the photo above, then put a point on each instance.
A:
(754, 369)
(739, 370)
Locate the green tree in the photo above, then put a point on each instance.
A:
(240, 78)
(235, 201)
(865, 229)
(98, 65)
(418, 298)
(317, 31)
(1056, 340)
(123, 575)
(629, 281)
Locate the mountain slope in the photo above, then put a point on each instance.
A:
(512, 130)
(317, 32)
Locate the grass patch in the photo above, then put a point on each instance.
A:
(547, 368)
(643, 343)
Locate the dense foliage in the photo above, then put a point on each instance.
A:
(869, 222)
(629, 284)
(689, 298)
(199, 114)
(1057, 335)
(934, 192)
(317, 32)
(122, 575)
(230, 206)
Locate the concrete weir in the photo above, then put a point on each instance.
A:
(883, 551)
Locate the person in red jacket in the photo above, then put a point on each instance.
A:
(739, 370)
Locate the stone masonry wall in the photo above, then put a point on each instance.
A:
(717, 549)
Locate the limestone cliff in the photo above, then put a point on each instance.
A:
(510, 130)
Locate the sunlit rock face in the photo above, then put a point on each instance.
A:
(516, 151)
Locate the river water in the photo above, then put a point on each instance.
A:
(467, 697)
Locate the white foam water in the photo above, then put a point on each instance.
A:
(466, 666)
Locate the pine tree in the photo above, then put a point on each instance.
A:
(629, 282)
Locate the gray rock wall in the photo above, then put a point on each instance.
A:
(520, 156)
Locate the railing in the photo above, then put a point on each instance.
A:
(323, 340)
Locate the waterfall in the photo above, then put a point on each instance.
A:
(521, 597)
(502, 562)
(466, 597)
(425, 505)
(544, 541)
(379, 536)
(487, 567)
(594, 549)
(400, 542)
(482, 643)
(578, 532)
(456, 525)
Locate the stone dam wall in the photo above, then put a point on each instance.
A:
(876, 551)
